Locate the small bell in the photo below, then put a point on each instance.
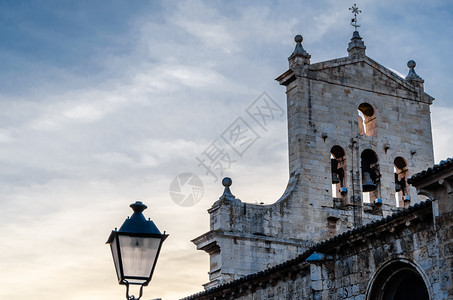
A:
(341, 176)
(334, 165)
(397, 184)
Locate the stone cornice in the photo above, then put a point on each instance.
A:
(310, 71)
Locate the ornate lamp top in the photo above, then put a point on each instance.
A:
(355, 10)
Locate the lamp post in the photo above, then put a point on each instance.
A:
(135, 249)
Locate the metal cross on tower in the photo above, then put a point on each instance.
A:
(355, 10)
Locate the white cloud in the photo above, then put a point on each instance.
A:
(83, 112)
(205, 23)
(5, 136)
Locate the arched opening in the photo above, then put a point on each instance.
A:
(398, 281)
(401, 173)
(338, 170)
(371, 176)
(366, 120)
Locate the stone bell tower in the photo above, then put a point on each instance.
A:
(356, 132)
(372, 126)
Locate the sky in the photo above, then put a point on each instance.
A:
(104, 103)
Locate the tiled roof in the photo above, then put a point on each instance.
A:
(316, 248)
(443, 165)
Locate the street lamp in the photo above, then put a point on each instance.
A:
(135, 249)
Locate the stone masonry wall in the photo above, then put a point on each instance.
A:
(445, 263)
(348, 271)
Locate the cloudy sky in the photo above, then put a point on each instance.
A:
(103, 103)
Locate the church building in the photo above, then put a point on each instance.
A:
(365, 215)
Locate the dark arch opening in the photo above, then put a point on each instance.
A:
(337, 152)
(399, 281)
(400, 163)
(366, 109)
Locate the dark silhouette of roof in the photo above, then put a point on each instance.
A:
(443, 165)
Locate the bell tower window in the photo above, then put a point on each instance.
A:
(371, 176)
(338, 167)
(366, 120)
(401, 173)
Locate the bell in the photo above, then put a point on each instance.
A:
(335, 179)
(402, 184)
(397, 184)
(334, 165)
(341, 176)
(367, 184)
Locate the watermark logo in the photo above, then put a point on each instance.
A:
(263, 110)
(186, 189)
(240, 136)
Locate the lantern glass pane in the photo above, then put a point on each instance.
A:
(116, 260)
(138, 255)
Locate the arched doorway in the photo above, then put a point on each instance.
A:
(398, 281)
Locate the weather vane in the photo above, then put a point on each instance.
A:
(355, 10)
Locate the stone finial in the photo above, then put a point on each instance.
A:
(299, 55)
(226, 182)
(356, 47)
(412, 76)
